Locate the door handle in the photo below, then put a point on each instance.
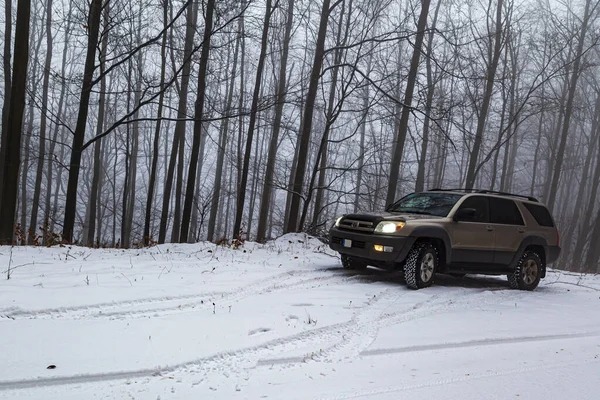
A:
(521, 230)
(489, 228)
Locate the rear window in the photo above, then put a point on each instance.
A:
(541, 214)
(505, 212)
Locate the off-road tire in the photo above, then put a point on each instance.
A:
(528, 272)
(421, 255)
(348, 262)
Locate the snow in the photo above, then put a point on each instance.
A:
(283, 320)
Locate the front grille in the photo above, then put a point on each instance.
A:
(356, 225)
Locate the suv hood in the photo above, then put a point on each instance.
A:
(389, 216)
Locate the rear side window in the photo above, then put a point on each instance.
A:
(504, 212)
(541, 214)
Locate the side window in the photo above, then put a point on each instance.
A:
(481, 206)
(541, 214)
(505, 212)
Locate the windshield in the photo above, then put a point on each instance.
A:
(438, 204)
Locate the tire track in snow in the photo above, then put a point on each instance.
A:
(232, 362)
(361, 335)
(478, 342)
(171, 304)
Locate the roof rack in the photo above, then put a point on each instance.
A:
(486, 192)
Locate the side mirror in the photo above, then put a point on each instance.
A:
(465, 214)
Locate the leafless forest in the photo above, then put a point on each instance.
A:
(131, 122)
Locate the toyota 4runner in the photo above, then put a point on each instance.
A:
(453, 231)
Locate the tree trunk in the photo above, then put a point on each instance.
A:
(14, 124)
(280, 95)
(33, 224)
(135, 140)
(420, 183)
(199, 110)
(79, 133)
(406, 106)
(125, 197)
(7, 87)
(306, 125)
(223, 136)
(568, 109)
(241, 195)
(331, 116)
(156, 142)
(487, 95)
(191, 18)
(93, 203)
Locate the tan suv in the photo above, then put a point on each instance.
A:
(453, 231)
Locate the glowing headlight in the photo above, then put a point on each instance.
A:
(337, 221)
(389, 227)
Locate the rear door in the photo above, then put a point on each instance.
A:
(473, 240)
(509, 225)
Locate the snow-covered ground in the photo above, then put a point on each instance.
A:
(283, 321)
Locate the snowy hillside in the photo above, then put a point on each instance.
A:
(283, 321)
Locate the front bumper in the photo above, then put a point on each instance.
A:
(363, 245)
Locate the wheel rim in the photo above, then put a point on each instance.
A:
(427, 267)
(530, 272)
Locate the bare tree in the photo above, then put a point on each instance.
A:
(199, 110)
(306, 126)
(94, 16)
(406, 106)
(241, 196)
(14, 124)
(159, 112)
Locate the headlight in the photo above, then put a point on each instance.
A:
(337, 221)
(389, 226)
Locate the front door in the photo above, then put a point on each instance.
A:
(473, 240)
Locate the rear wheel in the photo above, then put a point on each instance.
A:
(528, 272)
(421, 265)
(349, 262)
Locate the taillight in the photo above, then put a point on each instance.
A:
(558, 236)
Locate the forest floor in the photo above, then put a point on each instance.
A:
(283, 321)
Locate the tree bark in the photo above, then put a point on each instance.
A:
(406, 106)
(420, 182)
(79, 133)
(280, 95)
(306, 125)
(93, 203)
(199, 110)
(14, 124)
(241, 195)
(223, 136)
(487, 95)
(156, 142)
(191, 18)
(7, 87)
(568, 109)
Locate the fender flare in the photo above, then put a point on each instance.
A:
(436, 233)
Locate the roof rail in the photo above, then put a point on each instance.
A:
(486, 192)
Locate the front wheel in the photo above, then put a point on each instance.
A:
(528, 272)
(421, 265)
(349, 262)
